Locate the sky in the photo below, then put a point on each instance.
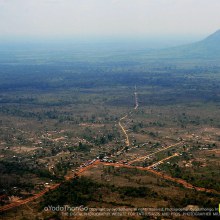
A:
(108, 18)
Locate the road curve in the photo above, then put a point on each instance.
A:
(82, 170)
(127, 142)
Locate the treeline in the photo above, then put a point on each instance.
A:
(49, 77)
(21, 169)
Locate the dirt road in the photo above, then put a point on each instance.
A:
(149, 155)
(82, 170)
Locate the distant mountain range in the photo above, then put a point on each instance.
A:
(208, 49)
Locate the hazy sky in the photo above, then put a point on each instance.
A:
(86, 18)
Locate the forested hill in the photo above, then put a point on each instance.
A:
(207, 49)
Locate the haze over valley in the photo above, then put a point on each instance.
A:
(109, 109)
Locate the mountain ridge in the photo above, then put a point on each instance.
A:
(206, 49)
(213, 37)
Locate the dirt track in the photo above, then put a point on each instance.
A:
(159, 174)
(149, 155)
(149, 169)
(127, 142)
